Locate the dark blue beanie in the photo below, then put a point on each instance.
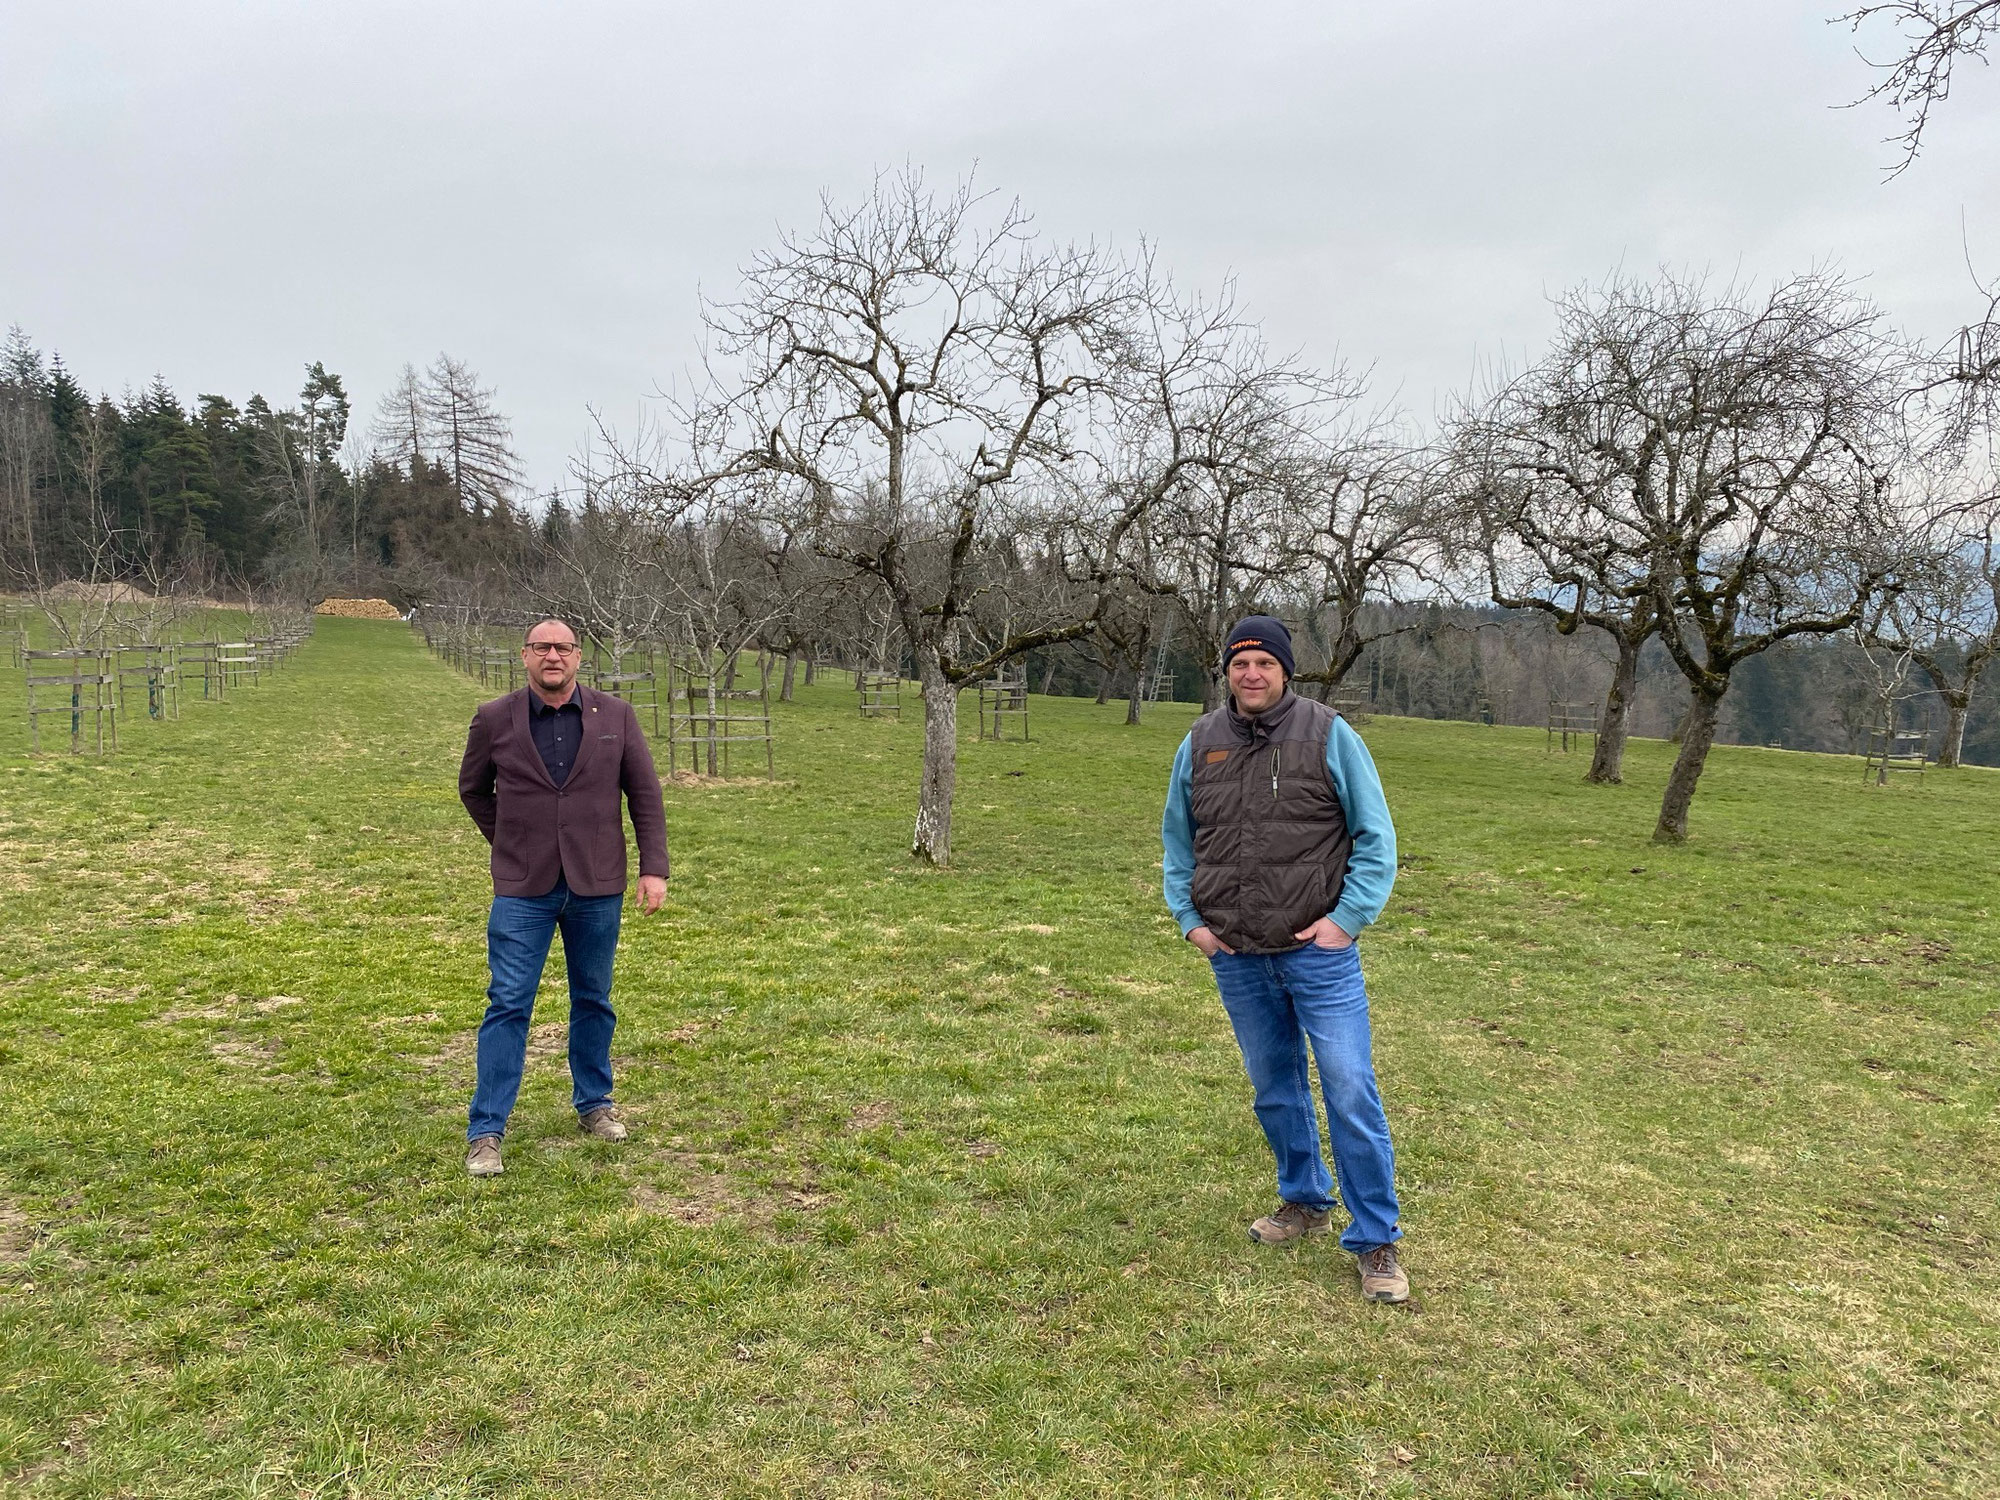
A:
(1260, 633)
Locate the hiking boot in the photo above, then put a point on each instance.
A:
(482, 1157)
(1382, 1278)
(602, 1122)
(1292, 1221)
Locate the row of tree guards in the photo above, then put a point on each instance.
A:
(85, 685)
(710, 720)
(1885, 746)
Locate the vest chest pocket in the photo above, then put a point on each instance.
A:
(1215, 789)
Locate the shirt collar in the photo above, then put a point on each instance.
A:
(1262, 725)
(540, 709)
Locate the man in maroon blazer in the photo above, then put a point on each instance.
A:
(543, 773)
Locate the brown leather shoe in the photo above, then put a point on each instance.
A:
(603, 1122)
(1383, 1278)
(1292, 1221)
(482, 1157)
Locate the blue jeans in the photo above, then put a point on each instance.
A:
(1278, 1002)
(517, 947)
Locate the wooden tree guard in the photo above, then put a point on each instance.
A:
(84, 682)
(155, 668)
(13, 631)
(1003, 703)
(881, 694)
(1567, 720)
(1892, 749)
(498, 667)
(203, 659)
(240, 662)
(707, 721)
(633, 675)
(1349, 702)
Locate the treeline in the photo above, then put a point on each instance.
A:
(218, 496)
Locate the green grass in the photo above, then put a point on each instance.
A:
(938, 1181)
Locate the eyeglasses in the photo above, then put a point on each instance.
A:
(551, 648)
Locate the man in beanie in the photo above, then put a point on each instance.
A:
(1279, 851)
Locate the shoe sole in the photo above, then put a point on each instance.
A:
(1303, 1234)
(484, 1171)
(1388, 1298)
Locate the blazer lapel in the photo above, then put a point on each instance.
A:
(586, 702)
(525, 737)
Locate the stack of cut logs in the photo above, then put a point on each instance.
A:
(359, 609)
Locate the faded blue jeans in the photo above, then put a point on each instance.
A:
(1277, 1003)
(518, 934)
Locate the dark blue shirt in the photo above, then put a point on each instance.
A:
(558, 732)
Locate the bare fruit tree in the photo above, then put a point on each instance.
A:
(1745, 447)
(1362, 526)
(1207, 427)
(1531, 471)
(1946, 616)
(920, 372)
(602, 567)
(1228, 453)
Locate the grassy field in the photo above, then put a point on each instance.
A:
(938, 1181)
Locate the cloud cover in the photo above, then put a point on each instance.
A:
(222, 193)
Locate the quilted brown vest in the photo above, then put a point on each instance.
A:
(1270, 839)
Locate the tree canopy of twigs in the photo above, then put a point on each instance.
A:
(1935, 36)
(975, 420)
(1729, 458)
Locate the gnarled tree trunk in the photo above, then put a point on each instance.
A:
(1697, 735)
(932, 841)
(1607, 762)
(1956, 707)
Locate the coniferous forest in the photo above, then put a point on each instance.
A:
(228, 491)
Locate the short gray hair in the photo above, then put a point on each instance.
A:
(575, 635)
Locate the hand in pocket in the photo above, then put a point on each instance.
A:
(1325, 933)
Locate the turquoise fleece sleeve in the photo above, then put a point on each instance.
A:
(1177, 842)
(1371, 868)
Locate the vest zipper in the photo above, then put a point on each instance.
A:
(1274, 773)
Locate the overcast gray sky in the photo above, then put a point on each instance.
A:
(220, 193)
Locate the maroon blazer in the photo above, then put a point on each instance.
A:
(539, 832)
